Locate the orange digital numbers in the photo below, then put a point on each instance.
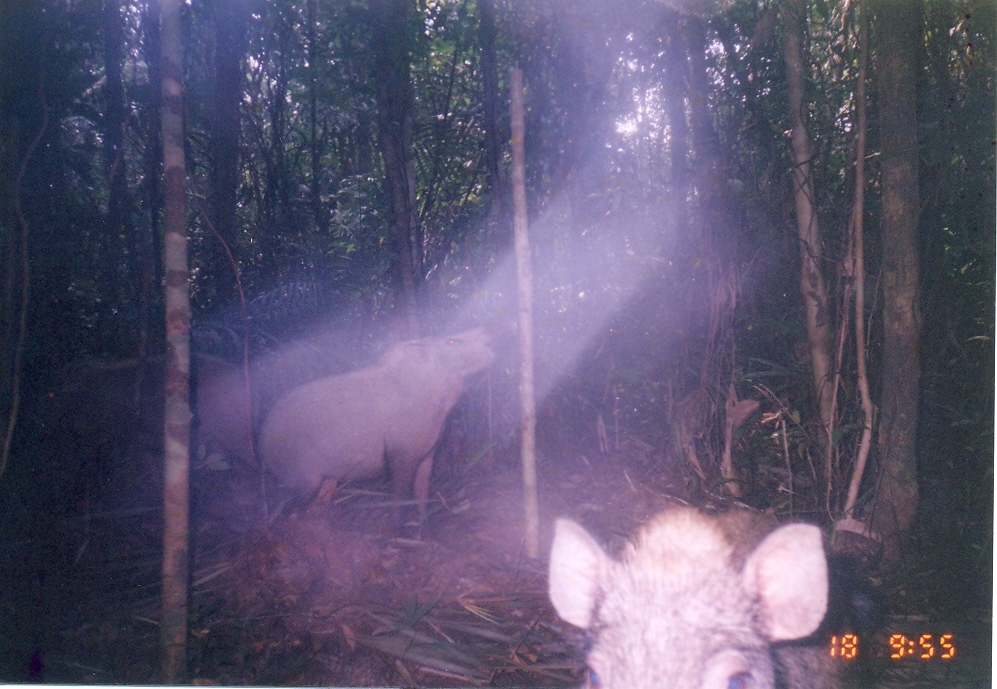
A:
(924, 649)
(901, 646)
(948, 647)
(846, 646)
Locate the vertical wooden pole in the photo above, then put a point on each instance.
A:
(527, 398)
(173, 623)
(859, 271)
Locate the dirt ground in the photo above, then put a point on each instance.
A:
(329, 595)
(339, 599)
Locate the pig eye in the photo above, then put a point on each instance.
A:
(729, 669)
(741, 680)
(592, 680)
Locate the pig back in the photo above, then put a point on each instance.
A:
(696, 602)
(447, 361)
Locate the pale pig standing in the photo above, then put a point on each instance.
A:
(697, 602)
(388, 416)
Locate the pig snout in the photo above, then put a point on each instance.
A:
(686, 607)
(387, 416)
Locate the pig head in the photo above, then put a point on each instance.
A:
(695, 603)
(387, 416)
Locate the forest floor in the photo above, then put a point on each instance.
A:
(328, 596)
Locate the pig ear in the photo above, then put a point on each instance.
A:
(787, 575)
(577, 566)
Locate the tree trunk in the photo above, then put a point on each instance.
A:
(230, 33)
(173, 624)
(277, 202)
(858, 272)
(150, 252)
(676, 68)
(524, 271)
(17, 274)
(704, 138)
(899, 31)
(489, 98)
(118, 220)
(315, 144)
(714, 238)
(21, 113)
(582, 71)
(811, 279)
(390, 24)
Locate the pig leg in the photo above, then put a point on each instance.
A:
(420, 486)
(410, 479)
(323, 497)
(326, 491)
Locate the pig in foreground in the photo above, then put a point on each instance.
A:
(696, 602)
(389, 415)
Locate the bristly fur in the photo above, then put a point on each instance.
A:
(695, 601)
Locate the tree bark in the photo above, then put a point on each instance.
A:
(173, 623)
(315, 144)
(858, 272)
(899, 31)
(582, 70)
(524, 270)
(489, 98)
(277, 201)
(390, 24)
(676, 69)
(22, 113)
(21, 256)
(705, 143)
(118, 220)
(715, 239)
(230, 34)
(811, 279)
(150, 252)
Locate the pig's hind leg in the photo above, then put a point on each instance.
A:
(326, 490)
(410, 480)
(420, 485)
(308, 492)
